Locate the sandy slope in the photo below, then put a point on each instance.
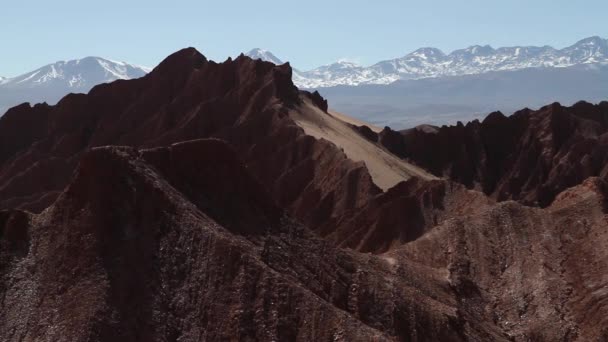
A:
(385, 169)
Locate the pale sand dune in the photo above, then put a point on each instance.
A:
(386, 169)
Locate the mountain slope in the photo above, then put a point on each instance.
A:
(210, 201)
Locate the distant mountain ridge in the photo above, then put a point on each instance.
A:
(77, 73)
(449, 99)
(431, 63)
(53, 81)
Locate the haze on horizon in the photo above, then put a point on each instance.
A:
(309, 35)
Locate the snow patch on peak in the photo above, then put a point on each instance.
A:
(114, 70)
(342, 64)
(480, 50)
(263, 55)
(348, 62)
(146, 69)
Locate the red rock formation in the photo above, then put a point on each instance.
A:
(243, 102)
(530, 156)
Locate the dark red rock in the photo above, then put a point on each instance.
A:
(530, 156)
(317, 100)
(392, 141)
(210, 175)
(367, 132)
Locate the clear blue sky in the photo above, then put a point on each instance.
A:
(308, 33)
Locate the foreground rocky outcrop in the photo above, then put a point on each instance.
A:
(212, 201)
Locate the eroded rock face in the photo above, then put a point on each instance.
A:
(124, 254)
(530, 156)
(128, 253)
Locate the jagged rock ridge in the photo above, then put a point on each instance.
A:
(531, 156)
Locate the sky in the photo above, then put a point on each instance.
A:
(307, 33)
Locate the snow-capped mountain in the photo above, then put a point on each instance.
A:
(432, 62)
(76, 74)
(51, 82)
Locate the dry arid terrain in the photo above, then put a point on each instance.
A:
(217, 202)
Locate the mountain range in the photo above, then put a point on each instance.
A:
(432, 62)
(447, 100)
(218, 202)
